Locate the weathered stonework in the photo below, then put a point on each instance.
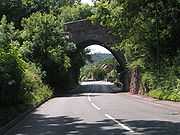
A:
(84, 33)
(135, 81)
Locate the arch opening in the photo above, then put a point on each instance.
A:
(119, 56)
(103, 65)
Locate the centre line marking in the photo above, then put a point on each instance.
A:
(95, 106)
(120, 124)
(89, 98)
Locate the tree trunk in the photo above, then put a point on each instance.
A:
(135, 81)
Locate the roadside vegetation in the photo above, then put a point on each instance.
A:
(149, 33)
(36, 58)
(101, 69)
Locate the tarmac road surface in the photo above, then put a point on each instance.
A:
(95, 110)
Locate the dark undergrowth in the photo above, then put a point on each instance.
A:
(9, 113)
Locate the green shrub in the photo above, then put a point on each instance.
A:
(20, 82)
(135, 23)
(165, 94)
(98, 73)
(104, 69)
(33, 90)
(49, 48)
(10, 78)
(112, 76)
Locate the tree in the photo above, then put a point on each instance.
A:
(144, 26)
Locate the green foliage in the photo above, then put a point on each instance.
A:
(73, 13)
(7, 33)
(173, 95)
(112, 76)
(10, 78)
(13, 9)
(86, 72)
(98, 74)
(16, 10)
(142, 27)
(101, 70)
(49, 4)
(18, 78)
(21, 82)
(47, 46)
(33, 91)
(40, 52)
(45, 43)
(35, 51)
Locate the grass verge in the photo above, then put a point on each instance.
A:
(172, 95)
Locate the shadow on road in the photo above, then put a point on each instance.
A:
(155, 127)
(63, 125)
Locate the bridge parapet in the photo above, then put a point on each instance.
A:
(84, 30)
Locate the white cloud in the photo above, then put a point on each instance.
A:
(98, 49)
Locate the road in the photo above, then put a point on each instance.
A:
(94, 110)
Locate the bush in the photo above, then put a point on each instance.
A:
(104, 69)
(99, 74)
(112, 76)
(49, 48)
(20, 82)
(10, 78)
(165, 94)
(33, 91)
(135, 23)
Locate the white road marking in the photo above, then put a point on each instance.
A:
(120, 124)
(95, 106)
(89, 98)
(110, 117)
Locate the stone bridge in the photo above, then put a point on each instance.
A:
(84, 33)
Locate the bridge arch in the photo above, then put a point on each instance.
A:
(84, 33)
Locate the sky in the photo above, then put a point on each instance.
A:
(98, 49)
(95, 48)
(86, 1)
